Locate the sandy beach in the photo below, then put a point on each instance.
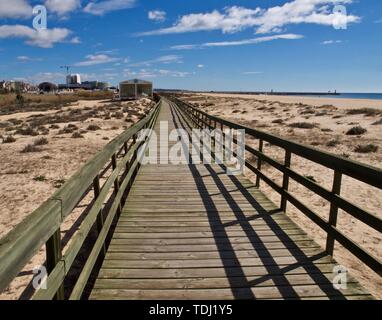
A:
(312, 101)
(46, 149)
(326, 124)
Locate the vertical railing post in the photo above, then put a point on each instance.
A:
(223, 140)
(116, 182)
(287, 161)
(261, 146)
(125, 147)
(100, 217)
(336, 190)
(53, 256)
(135, 157)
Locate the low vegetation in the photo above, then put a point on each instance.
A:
(333, 143)
(40, 142)
(27, 131)
(12, 103)
(369, 112)
(30, 148)
(68, 129)
(9, 139)
(93, 127)
(377, 123)
(356, 131)
(77, 135)
(302, 125)
(59, 183)
(368, 148)
(39, 178)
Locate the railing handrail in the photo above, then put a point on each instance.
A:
(202, 119)
(363, 172)
(26, 238)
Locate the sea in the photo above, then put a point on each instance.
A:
(368, 96)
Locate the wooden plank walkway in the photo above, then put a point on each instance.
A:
(193, 232)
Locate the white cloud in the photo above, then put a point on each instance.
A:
(185, 47)
(110, 51)
(157, 15)
(96, 59)
(18, 9)
(378, 21)
(252, 72)
(161, 60)
(274, 19)
(154, 73)
(331, 42)
(101, 7)
(75, 40)
(54, 77)
(200, 65)
(62, 7)
(288, 36)
(42, 38)
(26, 59)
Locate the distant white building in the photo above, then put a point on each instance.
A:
(73, 79)
(135, 89)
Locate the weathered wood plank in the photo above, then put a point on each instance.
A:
(308, 252)
(295, 292)
(209, 263)
(197, 235)
(313, 269)
(208, 247)
(254, 240)
(217, 283)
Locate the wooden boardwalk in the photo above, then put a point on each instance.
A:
(193, 232)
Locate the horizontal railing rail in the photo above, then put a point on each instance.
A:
(43, 226)
(367, 174)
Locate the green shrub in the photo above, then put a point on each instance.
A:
(366, 111)
(332, 143)
(368, 148)
(302, 125)
(27, 131)
(9, 139)
(93, 127)
(41, 142)
(39, 178)
(356, 131)
(30, 148)
(77, 135)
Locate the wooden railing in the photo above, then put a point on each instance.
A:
(340, 166)
(43, 226)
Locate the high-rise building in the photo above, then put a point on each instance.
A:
(73, 79)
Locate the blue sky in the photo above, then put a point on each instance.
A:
(284, 45)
